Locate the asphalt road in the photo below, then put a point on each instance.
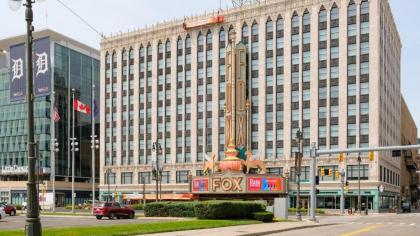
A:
(18, 222)
(407, 224)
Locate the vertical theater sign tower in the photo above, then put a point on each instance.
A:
(230, 177)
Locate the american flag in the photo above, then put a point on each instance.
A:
(56, 116)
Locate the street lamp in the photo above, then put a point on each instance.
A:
(156, 147)
(343, 175)
(33, 223)
(74, 148)
(94, 145)
(298, 164)
(55, 150)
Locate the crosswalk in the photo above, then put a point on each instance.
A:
(408, 224)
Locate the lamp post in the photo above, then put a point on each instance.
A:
(74, 148)
(55, 150)
(298, 164)
(33, 223)
(343, 175)
(94, 145)
(158, 149)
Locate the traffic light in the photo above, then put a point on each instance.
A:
(337, 174)
(371, 156)
(154, 174)
(341, 157)
(330, 172)
(322, 172)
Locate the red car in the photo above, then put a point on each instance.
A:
(8, 208)
(113, 210)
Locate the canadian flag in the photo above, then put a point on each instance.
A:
(79, 106)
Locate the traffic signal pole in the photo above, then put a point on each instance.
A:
(315, 153)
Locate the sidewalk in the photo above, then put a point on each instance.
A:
(246, 230)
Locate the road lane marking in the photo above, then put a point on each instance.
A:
(363, 230)
(412, 224)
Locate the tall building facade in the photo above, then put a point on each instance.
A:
(329, 68)
(73, 65)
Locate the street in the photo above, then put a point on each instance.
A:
(380, 225)
(18, 222)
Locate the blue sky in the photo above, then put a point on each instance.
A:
(113, 16)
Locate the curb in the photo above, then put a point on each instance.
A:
(287, 229)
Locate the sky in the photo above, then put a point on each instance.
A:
(112, 16)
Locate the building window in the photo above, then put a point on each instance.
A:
(304, 174)
(353, 172)
(275, 171)
(182, 176)
(127, 178)
(110, 178)
(144, 177)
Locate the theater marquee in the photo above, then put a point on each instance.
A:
(238, 183)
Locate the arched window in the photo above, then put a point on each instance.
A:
(200, 39)
(245, 31)
(149, 50)
(295, 20)
(179, 43)
(131, 53)
(222, 35)
(364, 7)
(160, 47)
(352, 9)
(124, 55)
(107, 58)
(188, 41)
(269, 25)
(114, 57)
(168, 46)
(254, 29)
(306, 18)
(322, 15)
(280, 24)
(230, 33)
(209, 37)
(334, 12)
(142, 51)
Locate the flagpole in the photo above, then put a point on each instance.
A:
(93, 144)
(72, 154)
(53, 147)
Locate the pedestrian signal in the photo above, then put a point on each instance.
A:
(322, 172)
(330, 172)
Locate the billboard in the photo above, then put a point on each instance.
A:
(42, 67)
(200, 185)
(265, 184)
(17, 72)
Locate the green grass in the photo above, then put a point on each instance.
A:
(135, 229)
(66, 214)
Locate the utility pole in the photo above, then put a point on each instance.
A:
(156, 148)
(94, 143)
(74, 148)
(144, 191)
(108, 172)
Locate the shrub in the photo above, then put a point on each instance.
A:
(138, 206)
(305, 210)
(18, 207)
(264, 216)
(173, 209)
(68, 207)
(227, 209)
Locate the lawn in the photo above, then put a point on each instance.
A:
(135, 229)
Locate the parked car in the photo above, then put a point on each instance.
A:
(112, 210)
(406, 207)
(8, 208)
(2, 213)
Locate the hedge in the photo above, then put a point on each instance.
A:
(318, 211)
(138, 206)
(264, 216)
(173, 209)
(227, 209)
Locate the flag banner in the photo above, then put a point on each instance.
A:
(79, 106)
(56, 115)
(95, 109)
(17, 72)
(42, 67)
